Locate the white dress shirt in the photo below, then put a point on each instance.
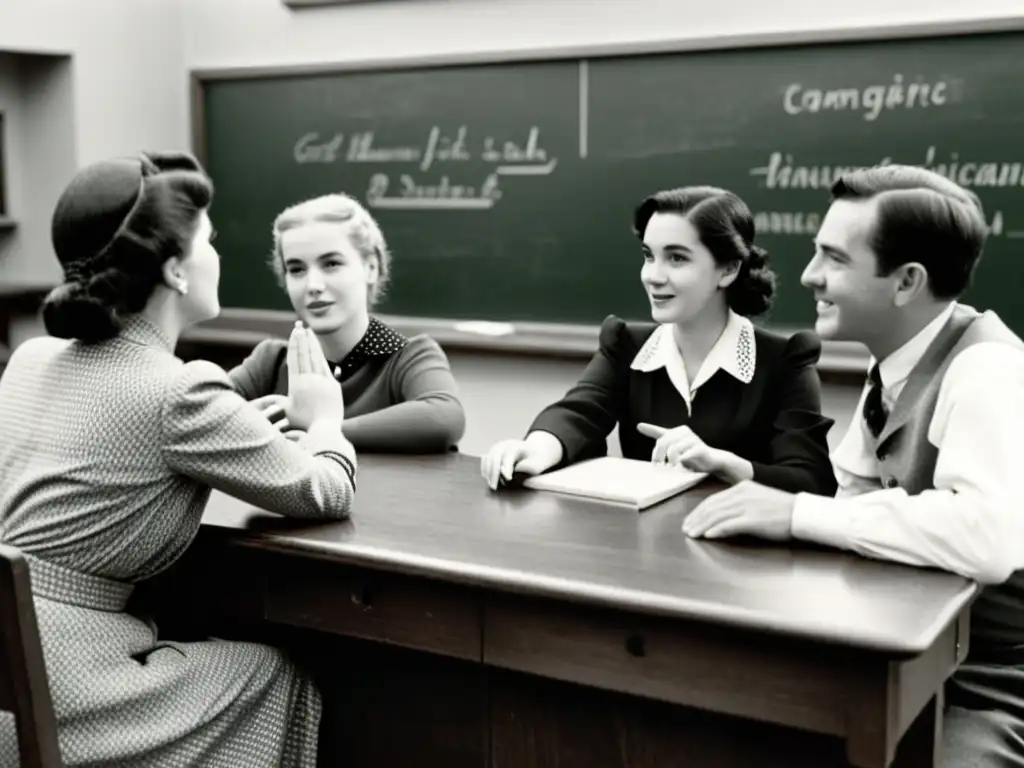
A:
(734, 352)
(972, 523)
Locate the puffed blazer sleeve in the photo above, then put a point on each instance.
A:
(586, 415)
(797, 455)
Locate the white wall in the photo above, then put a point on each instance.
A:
(10, 107)
(262, 32)
(130, 83)
(117, 84)
(36, 95)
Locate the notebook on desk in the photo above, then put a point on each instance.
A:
(640, 484)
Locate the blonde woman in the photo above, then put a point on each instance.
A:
(400, 396)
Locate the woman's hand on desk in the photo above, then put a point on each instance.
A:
(537, 453)
(682, 447)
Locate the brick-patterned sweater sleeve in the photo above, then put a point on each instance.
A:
(213, 435)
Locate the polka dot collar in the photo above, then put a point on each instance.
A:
(378, 341)
(735, 352)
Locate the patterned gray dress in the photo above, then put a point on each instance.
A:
(107, 456)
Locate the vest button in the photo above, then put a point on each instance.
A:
(891, 482)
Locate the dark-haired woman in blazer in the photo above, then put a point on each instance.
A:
(701, 387)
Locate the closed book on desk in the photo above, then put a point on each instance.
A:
(640, 484)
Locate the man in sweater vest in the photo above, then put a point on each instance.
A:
(928, 471)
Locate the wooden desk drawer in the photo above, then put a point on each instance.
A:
(375, 605)
(705, 667)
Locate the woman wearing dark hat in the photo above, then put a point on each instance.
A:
(110, 447)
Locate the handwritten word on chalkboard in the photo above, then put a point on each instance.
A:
(871, 100)
(407, 190)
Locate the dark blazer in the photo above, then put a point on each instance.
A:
(774, 422)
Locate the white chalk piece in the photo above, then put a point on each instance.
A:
(485, 328)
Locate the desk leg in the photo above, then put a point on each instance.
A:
(919, 747)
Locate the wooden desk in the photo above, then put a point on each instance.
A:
(562, 632)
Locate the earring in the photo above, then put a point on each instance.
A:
(182, 288)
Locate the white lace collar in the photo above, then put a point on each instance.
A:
(734, 352)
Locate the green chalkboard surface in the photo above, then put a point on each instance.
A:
(506, 189)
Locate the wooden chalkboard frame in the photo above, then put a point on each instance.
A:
(243, 326)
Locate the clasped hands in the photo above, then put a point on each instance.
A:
(314, 395)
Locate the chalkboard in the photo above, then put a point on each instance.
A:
(506, 189)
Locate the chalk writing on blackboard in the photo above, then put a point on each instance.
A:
(783, 173)
(310, 148)
(872, 100)
(807, 223)
(411, 189)
(411, 194)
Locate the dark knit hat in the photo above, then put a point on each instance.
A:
(92, 209)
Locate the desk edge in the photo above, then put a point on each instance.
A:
(633, 601)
